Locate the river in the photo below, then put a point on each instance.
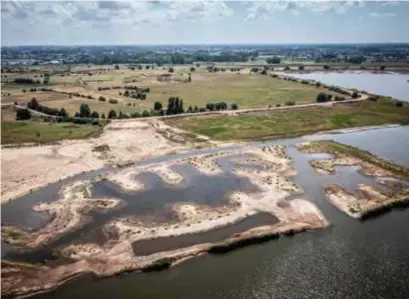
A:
(387, 84)
(350, 259)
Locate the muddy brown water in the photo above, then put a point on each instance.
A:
(350, 259)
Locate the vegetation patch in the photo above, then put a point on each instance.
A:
(158, 265)
(37, 132)
(294, 122)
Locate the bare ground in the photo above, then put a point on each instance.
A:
(30, 167)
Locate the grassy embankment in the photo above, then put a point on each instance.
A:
(294, 122)
(339, 149)
(37, 132)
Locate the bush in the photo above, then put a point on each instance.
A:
(399, 103)
(290, 103)
(339, 98)
(301, 67)
(158, 265)
(23, 114)
(322, 97)
(278, 105)
(113, 101)
(354, 95)
(111, 114)
(171, 70)
(373, 98)
(234, 106)
(102, 99)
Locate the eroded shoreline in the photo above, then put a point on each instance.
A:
(117, 255)
(366, 200)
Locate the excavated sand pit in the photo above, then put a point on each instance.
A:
(143, 241)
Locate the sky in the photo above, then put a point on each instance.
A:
(201, 22)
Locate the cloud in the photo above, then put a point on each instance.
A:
(266, 9)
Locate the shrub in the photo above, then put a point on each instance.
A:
(102, 99)
(278, 105)
(354, 94)
(234, 106)
(301, 67)
(113, 101)
(399, 103)
(322, 97)
(290, 103)
(339, 98)
(111, 114)
(171, 70)
(158, 265)
(23, 114)
(373, 98)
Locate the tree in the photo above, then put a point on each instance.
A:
(23, 114)
(273, 60)
(322, 97)
(189, 110)
(85, 111)
(94, 114)
(157, 106)
(234, 106)
(102, 99)
(33, 104)
(111, 114)
(63, 113)
(145, 113)
(171, 70)
(117, 67)
(192, 69)
(354, 94)
(103, 116)
(301, 67)
(195, 109)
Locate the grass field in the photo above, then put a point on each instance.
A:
(37, 132)
(281, 124)
(246, 90)
(73, 105)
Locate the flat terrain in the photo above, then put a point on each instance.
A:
(295, 122)
(247, 90)
(38, 132)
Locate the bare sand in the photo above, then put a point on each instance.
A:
(365, 200)
(27, 168)
(117, 254)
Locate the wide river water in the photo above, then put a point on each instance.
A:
(350, 259)
(387, 84)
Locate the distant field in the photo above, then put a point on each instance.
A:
(21, 132)
(73, 105)
(248, 91)
(296, 122)
(244, 89)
